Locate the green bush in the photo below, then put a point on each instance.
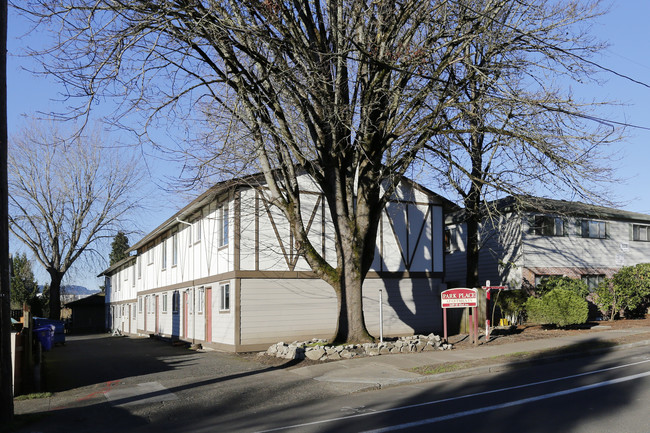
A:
(627, 293)
(576, 286)
(512, 304)
(560, 307)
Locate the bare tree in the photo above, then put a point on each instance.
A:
(517, 129)
(65, 195)
(348, 92)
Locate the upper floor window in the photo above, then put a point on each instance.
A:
(150, 254)
(197, 229)
(139, 260)
(133, 275)
(545, 225)
(223, 226)
(641, 232)
(164, 253)
(174, 249)
(594, 229)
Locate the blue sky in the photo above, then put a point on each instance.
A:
(625, 28)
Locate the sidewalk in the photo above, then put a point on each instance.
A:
(388, 370)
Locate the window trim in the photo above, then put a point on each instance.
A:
(224, 297)
(586, 231)
(223, 217)
(636, 231)
(541, 223)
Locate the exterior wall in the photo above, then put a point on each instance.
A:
(511, 254)
(500, 257)
(273, 293)
(275, 310)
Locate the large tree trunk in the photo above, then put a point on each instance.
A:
(351, 321)
(55, 294)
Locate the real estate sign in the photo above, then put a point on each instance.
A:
(459, 298)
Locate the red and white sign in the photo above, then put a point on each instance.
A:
(495, 287)
(459, 298)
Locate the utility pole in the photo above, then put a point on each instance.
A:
(6, 373)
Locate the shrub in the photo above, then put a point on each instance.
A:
(627, 293)
(512, 304)
(576, 286)
(559, 307)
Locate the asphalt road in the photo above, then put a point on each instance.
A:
(106, 384)
(603, 393)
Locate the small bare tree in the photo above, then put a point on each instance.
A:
(65, 195)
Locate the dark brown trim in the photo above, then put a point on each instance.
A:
(237, 308)
(237, 230)
(257, 230)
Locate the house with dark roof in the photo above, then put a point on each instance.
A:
(226, 272)
(524, 240)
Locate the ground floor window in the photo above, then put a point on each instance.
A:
(164, 302)
(593, 281)
(225, 296)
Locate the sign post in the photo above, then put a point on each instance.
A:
(460, 298)
(487, 289)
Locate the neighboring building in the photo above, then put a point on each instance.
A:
(225, 272)
(526, 243)
(87, 314)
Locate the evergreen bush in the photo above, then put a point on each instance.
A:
(560, 307)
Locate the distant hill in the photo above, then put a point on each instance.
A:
(74, 290)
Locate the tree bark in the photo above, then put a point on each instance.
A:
(55, 294)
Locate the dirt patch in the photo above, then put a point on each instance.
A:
(514, 334)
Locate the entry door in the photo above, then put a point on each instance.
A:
(185, 311)
(157, 330)
(208, 314)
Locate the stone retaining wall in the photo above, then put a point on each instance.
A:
(316, 350)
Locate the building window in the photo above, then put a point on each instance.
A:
(544, 225)
(223, 226)
(447, 240)
(164, 253)
(539, 279)
(593, 281)
(200, 301)
(197, 230)
(139, 261)
(164, 302)
(133, 275)
(150, 254)
(176, 302)
(594, 229)
(225, 297)
(641, 233)
(140, 304)
(174, 249)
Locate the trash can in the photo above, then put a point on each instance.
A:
(59, 328)
(45, 336)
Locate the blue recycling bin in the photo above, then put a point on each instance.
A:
(45, 336)
(59, 328)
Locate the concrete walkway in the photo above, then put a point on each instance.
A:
(386, 370)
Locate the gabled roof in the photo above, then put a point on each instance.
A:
(540, 205)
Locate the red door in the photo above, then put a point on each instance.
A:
(185, 311)
(208, 314)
